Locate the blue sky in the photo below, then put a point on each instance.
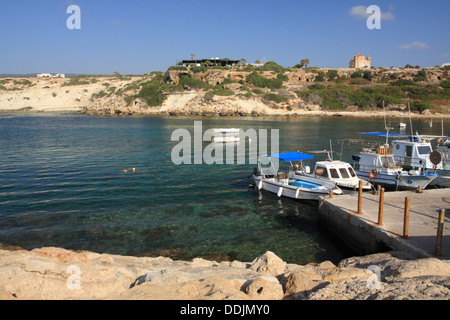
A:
(140, 36)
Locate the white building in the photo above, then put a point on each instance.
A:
(44, 75)
(48, 75)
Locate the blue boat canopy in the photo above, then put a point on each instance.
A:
(291, 156)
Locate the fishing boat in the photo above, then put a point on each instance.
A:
(415, 153)
(379, 167)
(339, 172)
(282, 180)
(226, 135)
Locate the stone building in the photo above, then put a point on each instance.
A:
(360, 61)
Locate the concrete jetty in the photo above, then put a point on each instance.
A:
(361, 232)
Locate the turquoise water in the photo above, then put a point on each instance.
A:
(62, 184)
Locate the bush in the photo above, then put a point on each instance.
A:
(445, 84)
(356, 74)
(262, 82)
(223, 92)
(194, 83)
(274, 97)
(332, 74)
(272, 66)
(320, 77)
(403, 82)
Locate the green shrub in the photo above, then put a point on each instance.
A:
(403, 82)
(272, 66)
(332, 74)
(262, 82)
(274, 97)
(320, 77)
(194, 83)
(356, 74)
(223, 92)
(419, 105)
(445, 84)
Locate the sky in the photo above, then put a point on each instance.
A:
(141, 36)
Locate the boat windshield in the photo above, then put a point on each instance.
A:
(424, 150)
(344, 173)
(352, 173)
(334, 173)
(321, 171)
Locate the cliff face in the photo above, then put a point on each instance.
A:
(58, 274)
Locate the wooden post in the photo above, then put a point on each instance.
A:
(331, 193)
(360, 197)
(406, 219)
(440, 231)
(380, 208)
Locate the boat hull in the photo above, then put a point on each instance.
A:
(393, 181)
(442, 180)
(285, 190)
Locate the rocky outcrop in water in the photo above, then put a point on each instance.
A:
(58, 274)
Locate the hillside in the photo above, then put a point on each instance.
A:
(242, 91)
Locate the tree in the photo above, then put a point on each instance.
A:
(192, 56)
(304, 63)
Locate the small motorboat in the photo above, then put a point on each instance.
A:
(283, 181)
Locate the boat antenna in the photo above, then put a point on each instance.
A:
(410, 121)
(385, 125)
(330, 154)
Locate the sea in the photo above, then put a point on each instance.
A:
(65, 182)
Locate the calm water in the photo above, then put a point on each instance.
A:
(61, 184)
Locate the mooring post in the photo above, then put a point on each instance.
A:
(331, 194)
(360, 197)
(380, 208)
(406, 218)
(440, 231)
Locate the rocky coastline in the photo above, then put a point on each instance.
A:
(213, 93)
(59, 274)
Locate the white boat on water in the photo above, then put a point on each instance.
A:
(379, 167)
(337, 171)
(226, 135)
(415, 153)
(284, 183)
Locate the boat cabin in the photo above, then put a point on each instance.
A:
(334, 170)
(384, 162)
(412, 154)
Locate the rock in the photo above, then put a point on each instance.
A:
(264, 289)
(268, 263)
(299, 284)
(232, 86)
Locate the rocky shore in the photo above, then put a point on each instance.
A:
(59, 274)
(227, 93)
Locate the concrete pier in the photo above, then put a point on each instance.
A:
(361, 232)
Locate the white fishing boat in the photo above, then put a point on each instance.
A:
(224, 135)
(379, 167)
(284, 183)
(337, 171)
(415, 153)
